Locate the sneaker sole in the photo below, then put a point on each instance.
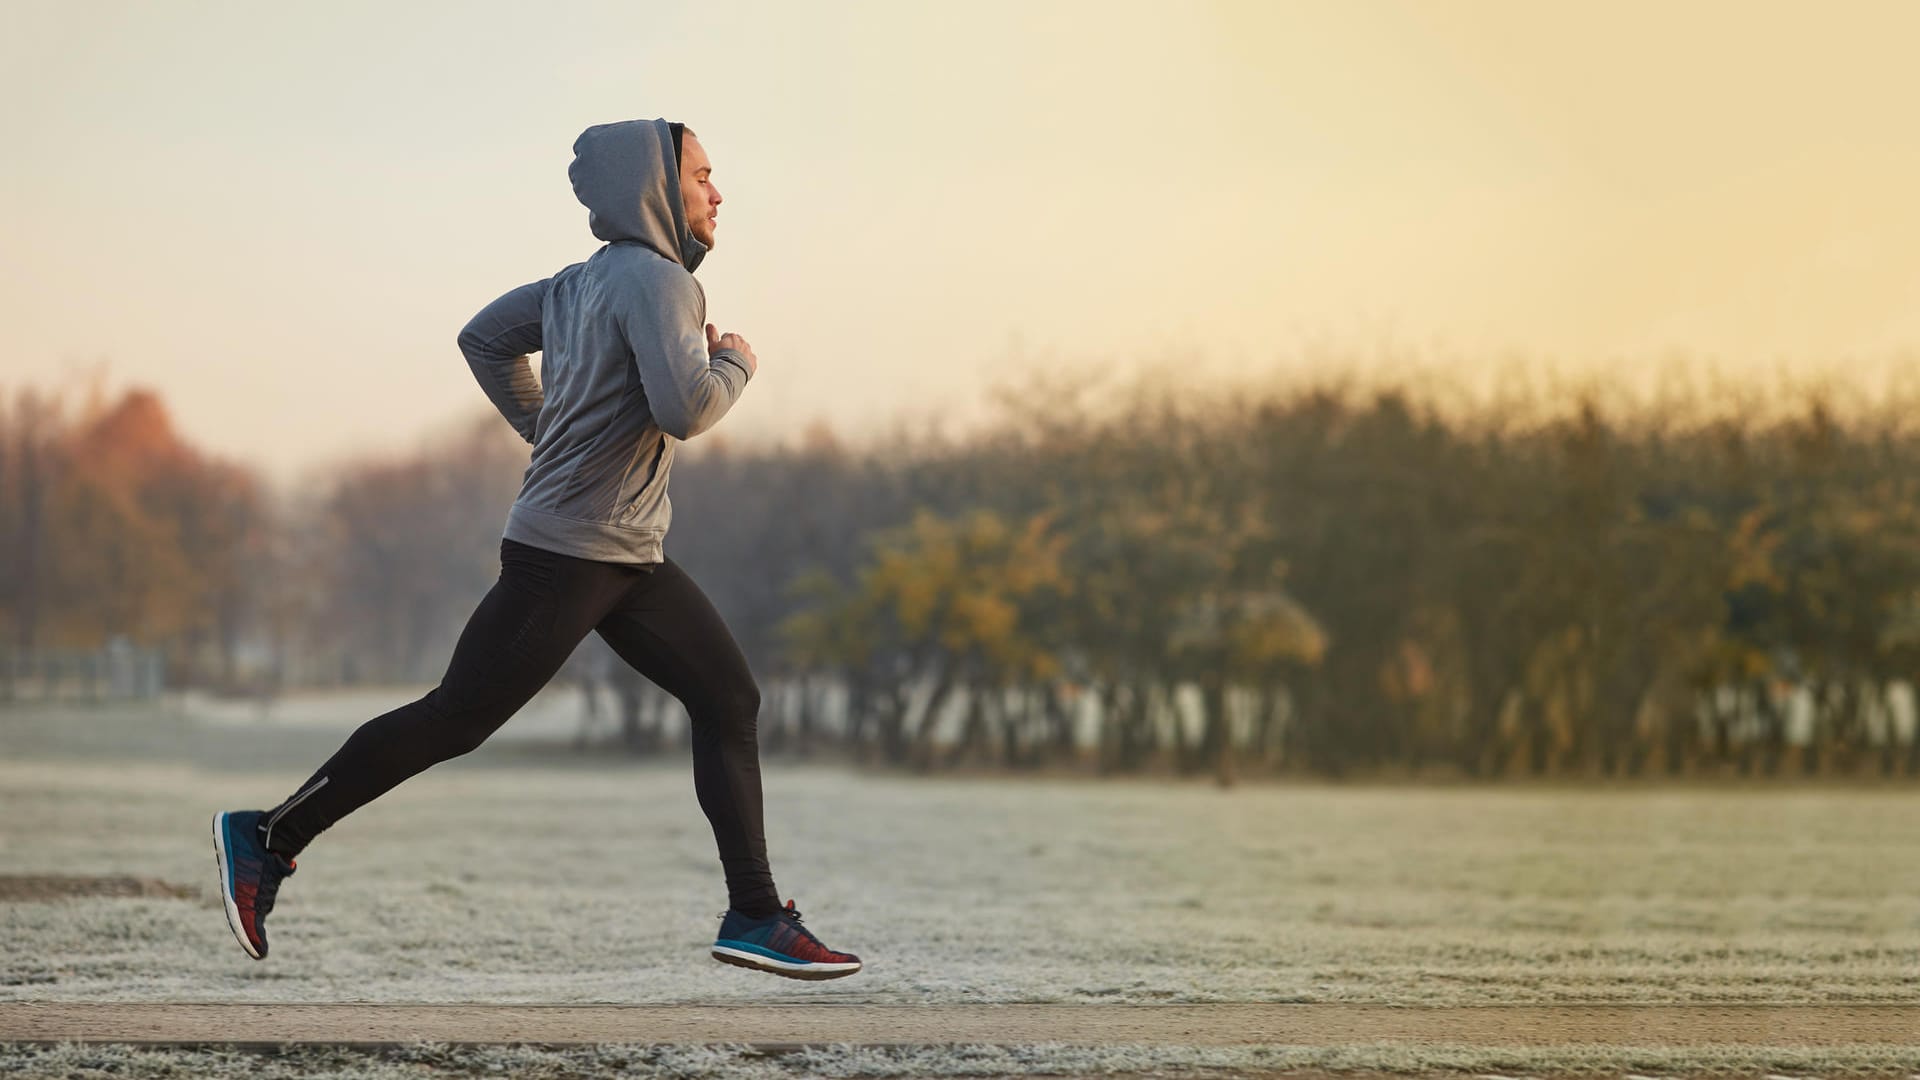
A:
(226, 893)
(786, 968)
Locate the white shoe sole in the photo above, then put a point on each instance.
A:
(742, 958)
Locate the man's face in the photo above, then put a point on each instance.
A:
(697, 190)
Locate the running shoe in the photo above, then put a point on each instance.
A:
(780, 945)
(250, 875)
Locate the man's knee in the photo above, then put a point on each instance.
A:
(742, 699)
(466, 739)
(462, 727)
(733, 707)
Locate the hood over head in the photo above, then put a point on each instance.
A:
(627, 177)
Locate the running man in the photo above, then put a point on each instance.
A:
(625, 374)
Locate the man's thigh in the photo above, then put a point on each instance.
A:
(530, 621)
(667, 629)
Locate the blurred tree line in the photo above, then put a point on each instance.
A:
(1330, 579)
(116, 528)
(112, 526)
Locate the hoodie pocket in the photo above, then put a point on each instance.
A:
(644, 486)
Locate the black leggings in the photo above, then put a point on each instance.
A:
(654, 617)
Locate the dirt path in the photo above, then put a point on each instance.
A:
(773, 1027)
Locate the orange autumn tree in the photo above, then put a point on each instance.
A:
(121, 528)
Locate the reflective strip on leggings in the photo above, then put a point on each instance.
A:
(297, 799)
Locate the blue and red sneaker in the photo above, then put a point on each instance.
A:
(250, 875)
(779, 944)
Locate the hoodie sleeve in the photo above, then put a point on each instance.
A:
(496, 343)
(663, 317)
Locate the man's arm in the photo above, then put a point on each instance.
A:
(689, 386)
(496, 343)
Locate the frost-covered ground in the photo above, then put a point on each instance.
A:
(429, 1062)
(507, 877)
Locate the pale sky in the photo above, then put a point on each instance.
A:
(280, 217)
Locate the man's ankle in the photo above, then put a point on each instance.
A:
(260, 834)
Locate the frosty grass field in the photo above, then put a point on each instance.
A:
(523, 874)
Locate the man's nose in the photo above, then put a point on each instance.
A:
(716, 194)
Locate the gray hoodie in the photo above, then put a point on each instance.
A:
(624, 369)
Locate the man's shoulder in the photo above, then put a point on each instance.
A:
(639, 263)
(632, 278)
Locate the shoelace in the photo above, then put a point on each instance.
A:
(270, 880)
(793, 913)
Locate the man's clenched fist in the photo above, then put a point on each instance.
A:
(717, 341)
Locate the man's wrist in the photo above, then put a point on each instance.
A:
(746, 367)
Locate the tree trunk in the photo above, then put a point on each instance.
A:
(1186, 757)
(1137, 727)
(974, 734)
(1012, 747)
(1060, 720)
(1913, 749)
(32, 512)
(1219, 730)
(921, 751)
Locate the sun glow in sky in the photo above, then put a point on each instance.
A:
(280, 218)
